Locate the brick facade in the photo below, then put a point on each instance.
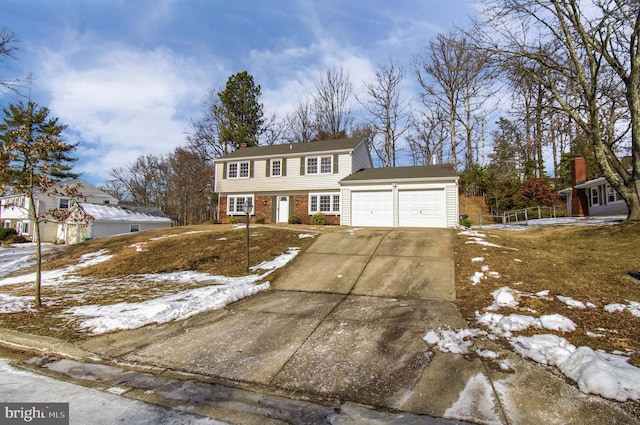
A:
(264, 210)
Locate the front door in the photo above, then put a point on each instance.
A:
(283, 209)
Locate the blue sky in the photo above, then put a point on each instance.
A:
(127, 76)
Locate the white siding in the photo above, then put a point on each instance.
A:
(360, 158)
(291, 182)
(452, 205)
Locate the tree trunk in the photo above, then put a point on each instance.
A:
(33, 213)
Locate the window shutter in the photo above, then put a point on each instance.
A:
(250, 169)
(284, 167)
(224, 170)
(268, 168)
(335, 164)
(303, 162)
(274, 208)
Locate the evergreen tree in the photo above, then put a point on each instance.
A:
(239, 111)
(33, 159)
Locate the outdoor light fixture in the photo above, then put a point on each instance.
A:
(246, 207)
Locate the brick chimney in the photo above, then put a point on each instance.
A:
(579, 197)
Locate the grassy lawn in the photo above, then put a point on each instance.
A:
(215, 249)
(589, 264)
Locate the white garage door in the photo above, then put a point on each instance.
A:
(422, 208)
(372, 209)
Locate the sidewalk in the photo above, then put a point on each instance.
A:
(340, 331)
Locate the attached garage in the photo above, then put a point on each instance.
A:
(372, 208)
(424, 196)
(422, 208)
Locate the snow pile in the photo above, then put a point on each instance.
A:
(457, 342)
(608, 375)
(633, 307)
(106, 318)
(222, 291)
(502, 325)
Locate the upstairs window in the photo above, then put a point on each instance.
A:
(63, 203)
(134, 228)
(276, 167)
(320, 165)
(238, 170)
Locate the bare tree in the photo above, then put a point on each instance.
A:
(205, 133)
(331, 105)
(593, 46)
(274, 131)
(145, 180)
(456, 76)
(438, 71)
(429, 131)
(190, 187)
(301, 123)
(389, 116)
(8, 50)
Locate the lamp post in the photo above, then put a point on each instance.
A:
(246, 207)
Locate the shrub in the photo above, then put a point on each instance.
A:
(319, 219)
(6, 232)
(236, 220)
(466, 222)
(295, 220)
(260, 220)
(15, 239)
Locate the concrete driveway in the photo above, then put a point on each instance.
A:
(345, 323)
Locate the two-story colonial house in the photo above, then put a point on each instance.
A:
(14, 208)
(336, 178)
(93, 215)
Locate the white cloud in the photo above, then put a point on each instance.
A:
(126, 103)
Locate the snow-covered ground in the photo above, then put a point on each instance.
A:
(609, 375)
(212, 292)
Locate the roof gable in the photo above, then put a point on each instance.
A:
(321, 146)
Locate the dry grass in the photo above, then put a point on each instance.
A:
(589, 264)
(214, 249)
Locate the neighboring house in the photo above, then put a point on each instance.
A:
(93, 221)
(337, 178)
(14, 209)
(593, 197)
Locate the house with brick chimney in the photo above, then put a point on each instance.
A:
(335, 178)
(586, 198)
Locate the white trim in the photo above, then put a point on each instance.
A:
(334, 200)
(271, 162)
(236, 198)
(318, 165)
(238, 169)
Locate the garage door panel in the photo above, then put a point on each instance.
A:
(372, 208)
(422, 208)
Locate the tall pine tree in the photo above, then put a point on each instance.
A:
(239, 111)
